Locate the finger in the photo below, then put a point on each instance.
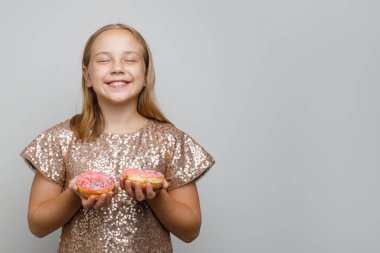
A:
(150, 194)
(74, 188)
(88, 203)
(73, 184)
(128, 189)
(139, 195)
(73, 181)
(115, 190)
(122, 183)
(109, 197)
(100, 202)
(165, 185)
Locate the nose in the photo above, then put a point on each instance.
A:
(117, 67)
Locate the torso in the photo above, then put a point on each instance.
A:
(126, 225)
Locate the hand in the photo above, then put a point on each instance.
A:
(137, 193)
(104, 199)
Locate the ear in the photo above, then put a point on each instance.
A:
(86, 76)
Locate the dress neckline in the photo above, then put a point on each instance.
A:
(110, 134)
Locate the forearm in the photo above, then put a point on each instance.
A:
(53, 214)
(175, 216)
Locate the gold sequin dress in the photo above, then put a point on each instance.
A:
(125, 225)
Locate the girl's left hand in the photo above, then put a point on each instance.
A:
(137, 193)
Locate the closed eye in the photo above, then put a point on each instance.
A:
(130, 60)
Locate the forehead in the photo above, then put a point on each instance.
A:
(116, 40)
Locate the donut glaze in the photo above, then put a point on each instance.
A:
(94, 183)
(155, 178)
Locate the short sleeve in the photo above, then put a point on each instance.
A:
(45, 154)
(189, 162)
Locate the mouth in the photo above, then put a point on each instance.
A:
(118, 83)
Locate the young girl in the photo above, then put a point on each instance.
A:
(120, 126)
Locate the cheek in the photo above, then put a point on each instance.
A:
(97, 72)
(139, 72)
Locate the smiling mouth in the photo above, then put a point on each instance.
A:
(118, 84)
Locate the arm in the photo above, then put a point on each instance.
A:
(50, 208)
(178, 210)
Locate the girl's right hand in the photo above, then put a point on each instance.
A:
(91, 201)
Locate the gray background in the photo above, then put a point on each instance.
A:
(284, 94)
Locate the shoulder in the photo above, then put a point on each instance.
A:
(167, 131)
(53, 139)
(173, 137)
(62, 128)
(60, 132)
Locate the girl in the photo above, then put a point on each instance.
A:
(120, 126)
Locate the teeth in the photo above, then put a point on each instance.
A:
(118, 84)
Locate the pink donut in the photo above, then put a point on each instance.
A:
(94, 183)
(155, 178)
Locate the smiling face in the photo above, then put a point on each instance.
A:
(116, 70)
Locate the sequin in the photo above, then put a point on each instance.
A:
(125, 225)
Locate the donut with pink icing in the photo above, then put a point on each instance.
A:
(94, 183)
(155, 178)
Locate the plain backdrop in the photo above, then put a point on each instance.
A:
(284, 95)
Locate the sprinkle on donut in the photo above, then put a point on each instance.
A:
(142, 177)
(94, 183)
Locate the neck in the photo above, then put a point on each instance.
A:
(122, 119)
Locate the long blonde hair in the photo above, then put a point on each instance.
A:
(90, 123)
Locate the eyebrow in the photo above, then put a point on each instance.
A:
(109, 53)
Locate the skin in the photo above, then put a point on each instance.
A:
(178, 210)
(116, 55)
